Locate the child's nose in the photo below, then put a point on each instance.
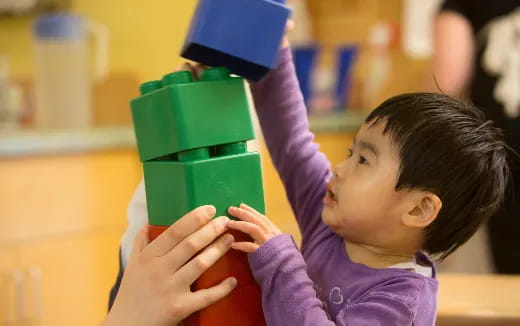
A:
(337, 171)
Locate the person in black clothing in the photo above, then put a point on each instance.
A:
(477, 52)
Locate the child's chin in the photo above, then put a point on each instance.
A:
(326, 217)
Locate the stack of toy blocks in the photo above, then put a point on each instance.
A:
(191, 137)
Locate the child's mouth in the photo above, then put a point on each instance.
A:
(330, 197)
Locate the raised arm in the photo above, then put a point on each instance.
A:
(288, 295)
(303, 169)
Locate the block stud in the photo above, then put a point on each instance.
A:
(196, 154)
(179, 77)
(231, 149)
(150, 86)
(214, 74)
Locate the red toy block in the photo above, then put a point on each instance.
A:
(246, 296)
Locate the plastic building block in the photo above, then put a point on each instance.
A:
(242, 307)
(246, 296)
(156, 230)
(191, 137)
(215, 176)
(242, 35)
(178, 114)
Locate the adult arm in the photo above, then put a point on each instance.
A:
(453, 52)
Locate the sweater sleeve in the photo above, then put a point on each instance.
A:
(288, 295)
(303, 170)
(289, 298)
(376, 310)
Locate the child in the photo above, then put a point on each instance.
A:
(425, 170)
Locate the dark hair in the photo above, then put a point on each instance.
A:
(447, 147)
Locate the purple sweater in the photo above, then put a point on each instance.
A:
(321, 285)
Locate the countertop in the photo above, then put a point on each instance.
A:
(32, 142)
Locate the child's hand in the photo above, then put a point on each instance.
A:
(253, 223)
(196, 69)
(288, 28)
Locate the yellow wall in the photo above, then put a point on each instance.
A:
(146, 36)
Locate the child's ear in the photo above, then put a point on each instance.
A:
(424, 210)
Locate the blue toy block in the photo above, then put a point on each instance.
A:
(241, 35)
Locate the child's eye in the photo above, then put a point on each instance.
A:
(362, 160)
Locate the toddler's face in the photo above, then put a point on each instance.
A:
(361, 203)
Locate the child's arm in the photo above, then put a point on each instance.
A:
(288, 295)
(283, 117)
(289, 298)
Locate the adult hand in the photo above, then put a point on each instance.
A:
(155, 289)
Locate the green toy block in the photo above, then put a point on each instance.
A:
(179, 114)
(222, 176)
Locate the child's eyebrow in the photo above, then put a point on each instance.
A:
(366, 145)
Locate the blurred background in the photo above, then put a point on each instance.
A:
(69, 166)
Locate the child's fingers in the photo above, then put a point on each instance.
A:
(251, 216)
(184, 66)
(260, 219)
(250, 209)
(247, 227)
(203, 298)
(243, 214)
(247, 247)
(289, 26)
(198, 69)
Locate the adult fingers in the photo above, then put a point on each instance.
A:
(195, 242)
(177, 232)
(206, 297)
(140, 241)
(193, 269)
